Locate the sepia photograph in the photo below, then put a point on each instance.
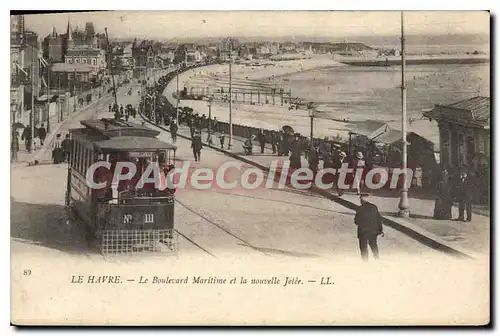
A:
(250, 168)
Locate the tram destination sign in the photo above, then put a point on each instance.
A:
(141, 154)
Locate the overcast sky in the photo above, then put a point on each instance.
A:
(161, 24)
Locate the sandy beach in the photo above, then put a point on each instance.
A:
(338, 90)
(266, 116)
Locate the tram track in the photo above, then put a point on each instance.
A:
(194, 243)
(206, 218)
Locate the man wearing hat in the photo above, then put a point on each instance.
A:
(369, 222)
(196, 145)
(463, 193)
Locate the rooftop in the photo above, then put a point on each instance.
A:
(478, 106)
(120, 128)
(134, 143)
(369, 128)
(476, 110)
(83, 52)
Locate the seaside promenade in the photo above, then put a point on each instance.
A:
(470, 238)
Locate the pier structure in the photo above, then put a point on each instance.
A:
(252, 96)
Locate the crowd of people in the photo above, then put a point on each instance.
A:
(462, 187)
(446, 187)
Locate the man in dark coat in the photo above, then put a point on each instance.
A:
(42, 134)
(313, 159)
(274, 141)
(295, 157)
(463, 193)
(262, 140)
(369, 222)
(26, 137)
(66, 146)
(173, 130)
(196, 145)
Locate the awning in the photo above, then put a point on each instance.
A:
(368, 128)
(390, 137)
(43, 99)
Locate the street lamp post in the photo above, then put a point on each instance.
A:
(48, 98)
(178, 93)
(404, 207)
(209, 103)
(310, 107)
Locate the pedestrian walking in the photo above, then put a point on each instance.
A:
(369, 222)
(66, 148)
(274, 141)
(35, 141)
(313, 159)
(295, 157)
(338, 162)
(109, 108)
(196, 145)
(444, 200)
(215, 124)
(26, 137)
(463, 192)
(359, 164)
(173, 130)
(57, 150)
(262, 140)
(42, 134)
(222, 138)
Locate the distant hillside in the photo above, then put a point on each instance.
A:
(337, 47)
(447, 39)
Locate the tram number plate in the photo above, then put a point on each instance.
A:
(148, 218)
(140, 154)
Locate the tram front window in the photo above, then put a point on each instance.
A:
(131, 188)
(143, 164)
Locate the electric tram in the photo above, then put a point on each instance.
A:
(123, 216)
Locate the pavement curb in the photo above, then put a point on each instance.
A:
(409, 229)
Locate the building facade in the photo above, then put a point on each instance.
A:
(464, 132)
(96, 58)
(25, 69)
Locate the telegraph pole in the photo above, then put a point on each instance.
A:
(32, 116)
(59, 109)
(404, 206)
(75, 95)
(310, 107)
(230, 97)
(178, 94)
(48, 99)
(111, 66)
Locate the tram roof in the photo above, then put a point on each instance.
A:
(133, 143)
(116, 128)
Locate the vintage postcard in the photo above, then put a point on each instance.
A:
(250, 168)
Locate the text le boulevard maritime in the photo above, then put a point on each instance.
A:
(116, 279)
